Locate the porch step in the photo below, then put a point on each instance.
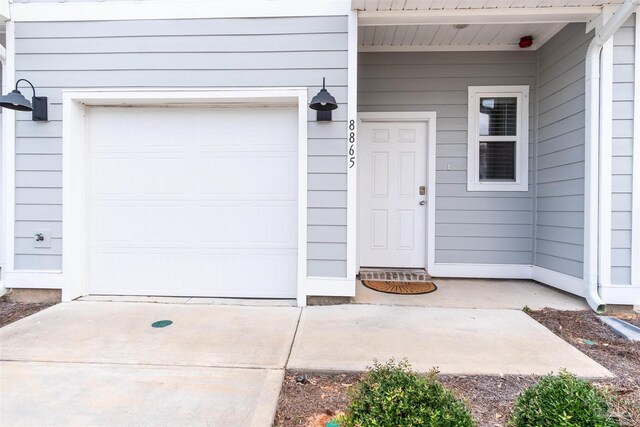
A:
(397, 275)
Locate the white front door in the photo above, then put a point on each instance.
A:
(392, 187)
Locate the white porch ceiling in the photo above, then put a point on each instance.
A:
(429, 25)
(447, 38)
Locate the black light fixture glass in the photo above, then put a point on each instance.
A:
(323, 103)
(14, 100)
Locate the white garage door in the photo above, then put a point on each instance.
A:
(193, 201)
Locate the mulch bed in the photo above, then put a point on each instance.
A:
(312, 399)
(12, 311)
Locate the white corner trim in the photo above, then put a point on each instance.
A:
(352, 148)
(635, 217)
(8, 157)
(75, 265)
(302, 95)
(606, 139)
(481, 271)
(608, 10)
(622, 294)
(560, 281)
(431, 188)
(331, 286)
(522, 139)
(174, 9)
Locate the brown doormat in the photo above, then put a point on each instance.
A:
(402, 288)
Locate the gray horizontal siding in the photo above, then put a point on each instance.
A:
(623, 74)
(559, 203)
(471, 227)
(265, 52)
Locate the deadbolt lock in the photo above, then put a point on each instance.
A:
(423, 190)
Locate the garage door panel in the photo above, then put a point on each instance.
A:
(194, 225)
(261, 224)
(159, 180)
(113, 223)
(113, 175)
(202, 275)
(236, 170)
(164, 223)
(187, 201)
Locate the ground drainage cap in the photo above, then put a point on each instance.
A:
(161, 324)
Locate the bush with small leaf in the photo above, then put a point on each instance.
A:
(392, 395)
(562, 400)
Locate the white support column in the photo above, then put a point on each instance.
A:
(606, 140)
(352, 147)
(635, 217)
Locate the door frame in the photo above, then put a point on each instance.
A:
(74, 147)
(428, 117)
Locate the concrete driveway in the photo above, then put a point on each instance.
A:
(102, 364)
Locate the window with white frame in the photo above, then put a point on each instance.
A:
(498, 143)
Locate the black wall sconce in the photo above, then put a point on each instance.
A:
(14, 100)
(323, 103)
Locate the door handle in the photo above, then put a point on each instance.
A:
(422, 203)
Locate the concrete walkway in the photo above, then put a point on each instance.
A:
(479, 293)
(101, 363)
(456, 341)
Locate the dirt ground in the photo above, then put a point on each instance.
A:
(12, 311)
(311, 400)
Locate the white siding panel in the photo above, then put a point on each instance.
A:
(213, 53)
(466, 222)
(560, 164)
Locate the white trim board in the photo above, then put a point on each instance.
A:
(446, 48)
(606, 164)
(8, 158)
(635, 217)
(75, 264)
(430, 118)
(622, 294)
(172, 9)
(352, 148)
(479, 16)
(45, 279)
(481, 271)
(331, 286)
(560, 281)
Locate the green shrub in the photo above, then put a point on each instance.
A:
(562, 401)
(392, 395)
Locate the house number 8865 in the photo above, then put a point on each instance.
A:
(352, 141)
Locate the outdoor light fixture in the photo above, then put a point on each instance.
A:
(323, 103)
(16, 101)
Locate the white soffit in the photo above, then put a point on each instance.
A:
(386, 38)
(428, 25)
